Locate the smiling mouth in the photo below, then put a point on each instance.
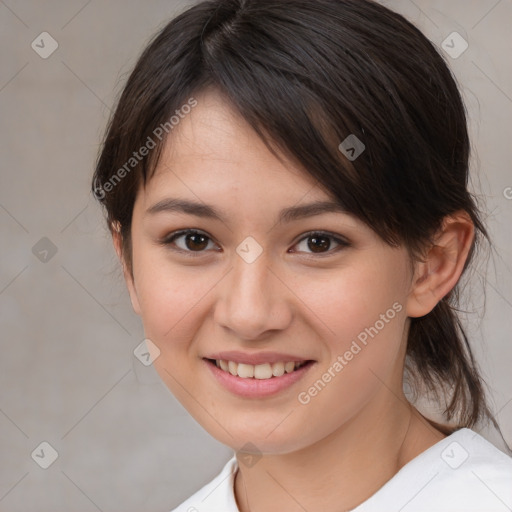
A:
(263, 371)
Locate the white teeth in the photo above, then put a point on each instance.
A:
(289, 367)
(232, 367)
(278, 369)
(262, 371)
(258, 371)
(245, 370)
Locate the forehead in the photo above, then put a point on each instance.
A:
(214, 149)
(214, 165)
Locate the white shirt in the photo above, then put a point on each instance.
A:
(461, 473)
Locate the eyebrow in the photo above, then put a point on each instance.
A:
(289, 214)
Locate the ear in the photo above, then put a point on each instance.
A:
(118, 245)
(443, 264)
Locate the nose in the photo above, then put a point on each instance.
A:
(253, 301)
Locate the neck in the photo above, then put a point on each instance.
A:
(342, 470)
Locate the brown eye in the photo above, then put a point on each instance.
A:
(320, 243)
(189, 241)
(196, 241)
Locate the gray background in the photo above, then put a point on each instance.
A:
(68, 375)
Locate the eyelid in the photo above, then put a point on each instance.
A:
(338, 239)
(169, 239)
(341, 241)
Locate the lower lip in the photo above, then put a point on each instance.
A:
(257, 388)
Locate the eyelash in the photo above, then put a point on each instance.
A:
(168, 241)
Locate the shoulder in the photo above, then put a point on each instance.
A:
(462, 473)
(476, 468)
(215, 496)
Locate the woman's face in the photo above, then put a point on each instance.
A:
(257, 281)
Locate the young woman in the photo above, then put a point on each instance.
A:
(285, 183)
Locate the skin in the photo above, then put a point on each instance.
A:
(336, 451)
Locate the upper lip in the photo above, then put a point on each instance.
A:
(257, 358)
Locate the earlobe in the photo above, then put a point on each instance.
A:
(442, 267)
(118, 246)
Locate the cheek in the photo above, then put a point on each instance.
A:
(172, 301)
(169, 297)
(360, 310)
(350, 299)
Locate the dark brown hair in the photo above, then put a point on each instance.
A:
(305, 75)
